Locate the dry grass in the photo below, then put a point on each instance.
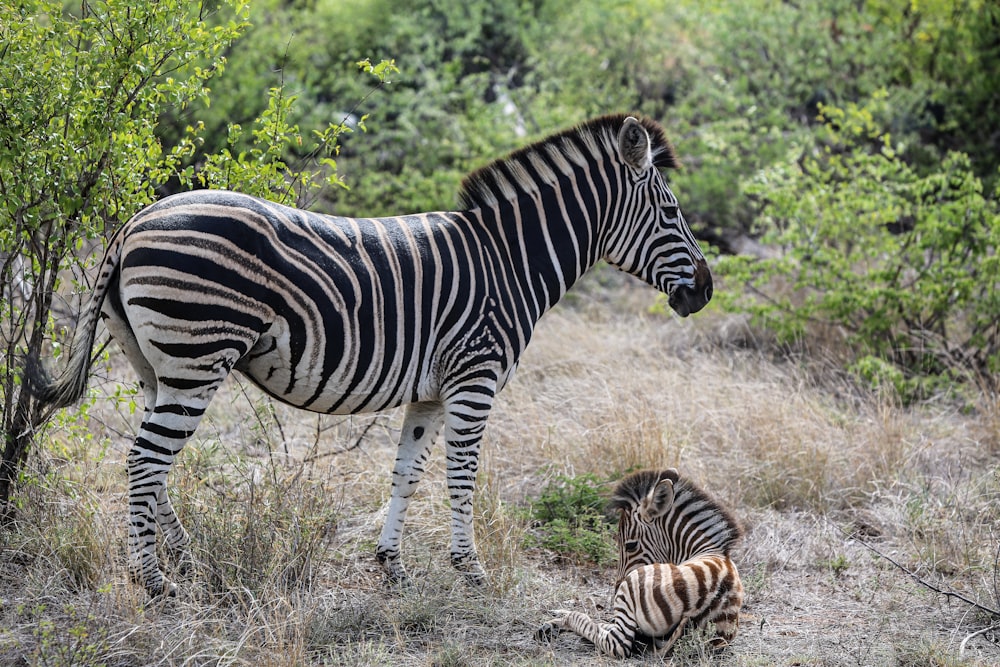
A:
(285, 510)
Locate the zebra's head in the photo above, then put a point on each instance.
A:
(664, 518)
(653, 241)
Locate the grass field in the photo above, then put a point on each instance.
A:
(284, 508)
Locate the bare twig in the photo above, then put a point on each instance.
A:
(921, 581)
(996, 575)
(961, 647)
(355, 445)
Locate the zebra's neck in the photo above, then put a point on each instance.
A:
(545, 247)
(545, 208)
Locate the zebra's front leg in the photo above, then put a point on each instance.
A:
(465, 421)
(617, 639)
(421, 425)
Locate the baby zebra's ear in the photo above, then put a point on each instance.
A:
(658, 501)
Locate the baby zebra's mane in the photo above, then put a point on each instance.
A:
(555, 156)
(715, 524)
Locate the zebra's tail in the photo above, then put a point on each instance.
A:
(70, 386)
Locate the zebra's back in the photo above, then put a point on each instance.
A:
(331, 314)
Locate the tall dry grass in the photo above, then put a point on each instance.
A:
(284, 508)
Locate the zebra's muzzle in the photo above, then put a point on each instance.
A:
(686, 299)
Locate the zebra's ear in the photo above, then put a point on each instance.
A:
(634, 146)
(658, 501)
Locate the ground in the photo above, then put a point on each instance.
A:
(285, 507)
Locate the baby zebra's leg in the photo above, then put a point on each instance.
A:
(663, 646)
(615, 638)
(726, 613)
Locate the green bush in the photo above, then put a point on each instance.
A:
(79, 98)
(568, 518)
(904, 264)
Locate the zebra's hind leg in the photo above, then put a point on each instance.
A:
(164, 431)
(663, 646)
(174, 535)
(140, 530)
(421, 425)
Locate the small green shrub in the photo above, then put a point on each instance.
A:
(568, 518)
(66, 637)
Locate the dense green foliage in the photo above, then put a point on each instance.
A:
(568, 519)
(81, 149)
(857, 140)
(903, 263)
(735, 83)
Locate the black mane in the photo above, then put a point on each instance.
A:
(501, 178)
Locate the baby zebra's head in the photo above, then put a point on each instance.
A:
(664, 518)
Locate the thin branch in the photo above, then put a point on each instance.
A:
(357, 443)
(961, 647)
(923, 582)
(996, 574)
(302, 162)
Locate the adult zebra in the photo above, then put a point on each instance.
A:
(340, 315)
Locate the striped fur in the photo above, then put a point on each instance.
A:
(674, 571)
(341, 315)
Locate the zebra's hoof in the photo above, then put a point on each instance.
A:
(167, 591)
(183, 563)
(547, 632)
(157, 586)
(475, 579)
(551, 629)
(468, 565)
(392, 568)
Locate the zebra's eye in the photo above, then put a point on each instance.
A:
(670, 211)
(631, 546)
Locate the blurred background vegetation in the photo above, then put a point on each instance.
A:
(737, 84)
(842, 155)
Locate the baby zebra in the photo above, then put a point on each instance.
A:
(674, 570)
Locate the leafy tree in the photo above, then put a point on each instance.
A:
(81, 96)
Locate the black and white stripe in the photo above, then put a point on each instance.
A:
(340, 315)
(674, 568)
